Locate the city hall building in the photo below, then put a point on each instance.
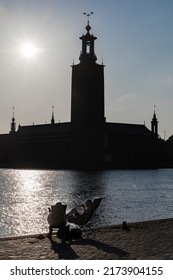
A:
(87, 141)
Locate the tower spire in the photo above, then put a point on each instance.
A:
(87, 54)
(154, 123)
(52, 120)
(13, 123)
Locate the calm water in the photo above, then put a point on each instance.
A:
(127, 195)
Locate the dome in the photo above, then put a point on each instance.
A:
(88, 27)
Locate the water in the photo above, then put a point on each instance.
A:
(127, 195)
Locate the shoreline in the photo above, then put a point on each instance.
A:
(141, 240)
(95, 228)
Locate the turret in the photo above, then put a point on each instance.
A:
(154, 124)
(52, 120)
(13, 124)
(87, 54)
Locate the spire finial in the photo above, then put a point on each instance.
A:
(88, 15)
(13, 118)
(154, 115)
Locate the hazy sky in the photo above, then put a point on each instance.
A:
(135, 41)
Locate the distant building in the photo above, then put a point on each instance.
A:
(88, 141)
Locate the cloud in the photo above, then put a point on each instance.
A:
(121, 105)
(124, 99)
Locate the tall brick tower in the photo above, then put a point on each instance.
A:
(87, 105)
(87, 94)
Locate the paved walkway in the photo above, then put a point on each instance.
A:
(145, 240)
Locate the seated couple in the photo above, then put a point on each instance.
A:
(58, 219)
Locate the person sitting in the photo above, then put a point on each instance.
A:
(56, 217)
(75, 217)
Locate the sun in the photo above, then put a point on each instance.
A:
(29, 50)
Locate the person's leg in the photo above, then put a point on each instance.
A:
(50, 232)
(76, 219)
(72, 214)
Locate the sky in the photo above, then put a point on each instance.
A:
(134, 41)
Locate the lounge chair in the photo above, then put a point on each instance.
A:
(57, 218)
(84, 223)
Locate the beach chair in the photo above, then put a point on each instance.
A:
(57, 218)
(84, 224)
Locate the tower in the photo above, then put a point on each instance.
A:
(87, 105)
(154, 124)
(87, 91)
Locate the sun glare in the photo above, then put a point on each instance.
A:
(29, 50)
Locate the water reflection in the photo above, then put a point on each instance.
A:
(23, 202)
(27, 194)
(128, 195)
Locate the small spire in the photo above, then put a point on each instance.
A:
(13, 123)
(154, 115)
(13, 114)
(154, 123)
(52, 120)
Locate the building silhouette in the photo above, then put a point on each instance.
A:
(87, 141)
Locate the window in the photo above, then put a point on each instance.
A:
(88, 47)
